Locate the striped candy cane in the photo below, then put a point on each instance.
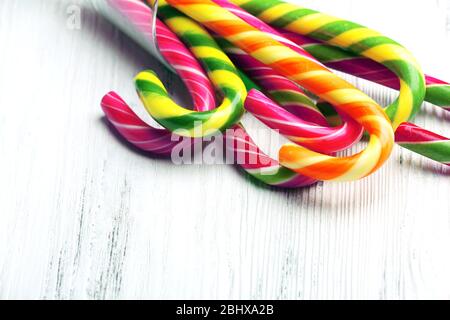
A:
(313, 77)
(322, 139)
(272, 175)
(408, 136)
(275, 117)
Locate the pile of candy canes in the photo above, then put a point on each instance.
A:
(273, 59)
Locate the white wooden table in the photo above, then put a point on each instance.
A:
(82, 215)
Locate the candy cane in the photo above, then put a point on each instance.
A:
(221, 72)
(260, 170)
(408, 136)
(313, 77)
(318, 138)
(355, 38)
(120, 115)
(437, 91)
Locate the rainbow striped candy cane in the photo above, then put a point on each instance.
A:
(221, 72)
(437, 91)
(409, 136)
(355, 38)
(120, 115)
(313, 77)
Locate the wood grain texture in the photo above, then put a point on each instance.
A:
(83, 215)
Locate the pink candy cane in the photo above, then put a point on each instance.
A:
(252, 159)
